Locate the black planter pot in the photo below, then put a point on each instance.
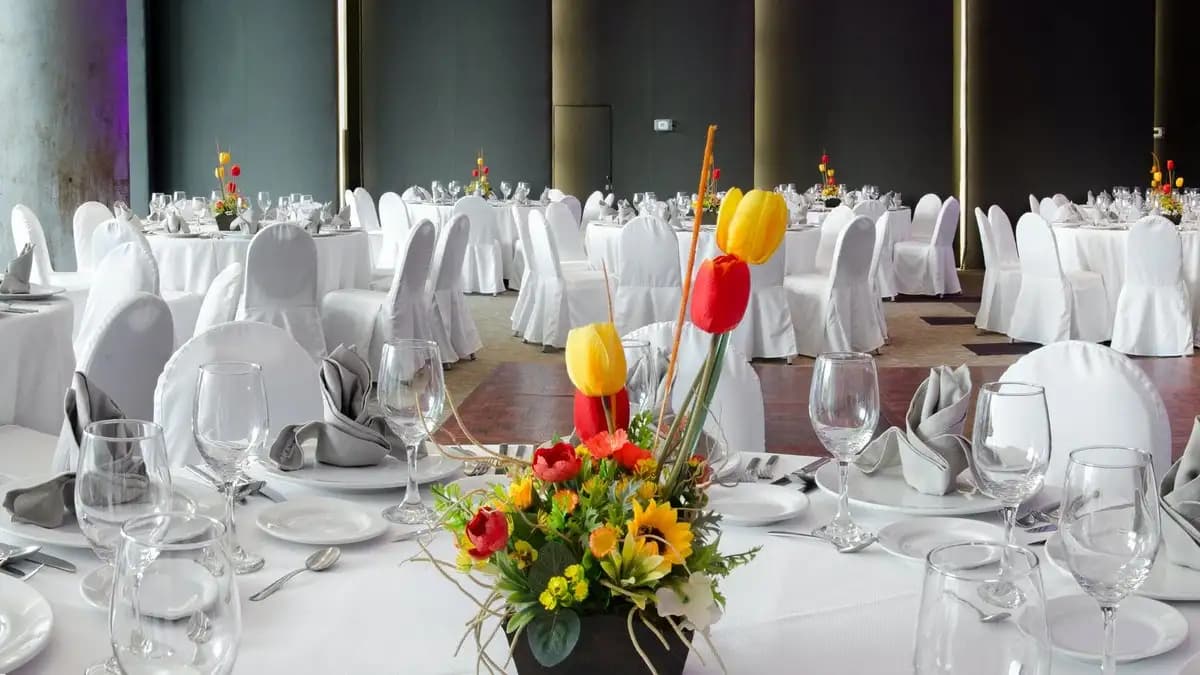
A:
(604, 648)
(832, 202)
(1173, 217)
(223, 221)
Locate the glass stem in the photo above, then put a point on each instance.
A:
(412, 494)
(843, 512)
(1108, 665)
(230, 502)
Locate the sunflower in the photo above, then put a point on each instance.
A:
(658, 525)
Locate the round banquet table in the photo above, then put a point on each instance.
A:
(439, 214)
(190, 264)
(36, 364)
(1102, 250)
(603, 246)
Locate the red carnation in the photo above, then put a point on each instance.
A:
(630, 455)
(556, 463)
(487, 532)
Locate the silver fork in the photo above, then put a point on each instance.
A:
(768, 468)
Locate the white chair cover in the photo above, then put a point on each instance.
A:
(521, 267)
(363, 208)
(766, 330)
(737, 406)
(483, 267)
(221, 301)
(1034, 206)
(554, 194)
(839, 308)
(27, 229)
(649, 283)
(1047, 209)
(290, 376)
(561, 297)
(1060, 199)
(871, 208)
(1095, 396)
(1154, 310)
(924, 218)
(281, 285)
(831, 228)
(125, 271)
(112, 232)
(927, 267)
(572, 204)
(411, 194)
(593, 208)
(1004, 240)
(1001, 280)
(453, 326)
(368, 319)
(87, 218)
(1052, 306)
(882, 261)
(395, 221)
(567, 235)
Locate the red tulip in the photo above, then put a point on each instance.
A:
(716, 173)
(721, 293)
(235, 170)
(1170, 165)
(825, 159)
(589, 415)
(630, 455)
(556, 463)
(487, 532)
(830, 181)
(1166, 188)
(475, 173)
(486, 170)
(231, 187)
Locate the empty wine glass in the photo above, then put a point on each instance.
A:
(175, 605)
(285, 207)
(411, 392)
(454, 187)
(230, 423)
(158, 202)
(199, 207)
(1109, 523)
(523, 190)
(1010, 445)
(264, 201)
(178, 196)
(956, 633)
(640, 382)
(505, 189)
(843, 405)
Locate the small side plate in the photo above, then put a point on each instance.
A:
(320, 520)
(756, 503)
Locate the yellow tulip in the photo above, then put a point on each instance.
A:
(756, 228)
(223, 158)
(829, 173)
(1179, 182)
(1158, 176)
(479, 161)
(821, 168)
(595, 359)
(219, 172)
(729, 205)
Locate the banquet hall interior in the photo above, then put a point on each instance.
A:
(572, 336)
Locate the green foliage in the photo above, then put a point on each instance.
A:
(552, 636)
(553, 558)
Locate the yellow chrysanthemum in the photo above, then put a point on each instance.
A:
(581, 591)
(566, 500)
(548, 600)
(573, 572)
(658, 526)
(592, 485)
(582, 451)
(521, 493)
(557, 585)
(524, 554)
(647, 490)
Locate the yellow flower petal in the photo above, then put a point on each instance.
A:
(729, 205)
(756, 229)
(595, 359)
(223, 157)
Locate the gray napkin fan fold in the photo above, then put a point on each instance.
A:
(312, 221)
(1179, 497)
(47, 504)
(248, 220)
(175, 224)
(16, 275)
(84, 404)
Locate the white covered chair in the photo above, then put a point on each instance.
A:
(567, 235)
(109, 233)
(1001, 278)
(554, 194)
(281, 285)
(593, 208)
(124, 272)
(837, 309)
(871, 208)
(924, 217)
(831, 228)
(884, 274)
(649, 283)
(27, 229)
(1047, 209)
(87, 218)
(736, 411)
(572, 204)
(395, 222)
(362, 210)
(925, 266)
(1154, 310)
(560, 297)
(368, 319)
(483, 265)
(289, 374)
(766, 330)
(1034, 205)
(1060, 199)
(1054, 305)
(453, 326)
(1095, 396)
(221, 300)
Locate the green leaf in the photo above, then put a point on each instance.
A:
(553, 636)
(552, 559)
(519, 620)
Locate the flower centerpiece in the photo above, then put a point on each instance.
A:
(480, 185)
(829, 186)
(712, 199)
(602, 554)
(226, 208)
(1165, 199)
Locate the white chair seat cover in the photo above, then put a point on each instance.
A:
(281, 285)
(649, 283)
(221, 301)
(925, 266)
(1154, 312)
(1052, 306)
(453, 326)
(483, 263)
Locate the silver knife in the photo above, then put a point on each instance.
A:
(271, 494)
(51, 561)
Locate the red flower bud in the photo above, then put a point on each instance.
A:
(825, 159)
(487, 532)
(716, 173)
(475, 173)
(556, 463)
(1170, 165)
(721, 293)
(589, 415)
(1166, 188)
(231, 187)
(630, 455)
(235, 170)
(486, 170)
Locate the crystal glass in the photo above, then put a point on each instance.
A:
(641, 382)
(264, 201)
(178, 196)
(843, 405)
(1010, 445)
(285, 206)
(175, 604)
(307, 200)
(230, 423)
(437, 191)
(952, 636)
(215, 196)
(121, 474)
(505, 188)
(158, 202)
(199, 208)
(454, 187)
(411, 392)
(1109, 524)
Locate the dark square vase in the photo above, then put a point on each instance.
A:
(224, 220)
(604, 648)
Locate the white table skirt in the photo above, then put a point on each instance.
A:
(190, 264)
(36, 364)
(439, 214)
(603, 247)
(799, 607)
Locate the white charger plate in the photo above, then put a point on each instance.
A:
(25, 623)
(389, 474)
(1145, 628)
(36, 292)
(1167, 581)
(914, 538)
(887, 491)
(320, 520)
(756, 503)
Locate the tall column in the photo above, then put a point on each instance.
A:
(576, 72)
(776, 51)
(65, 136)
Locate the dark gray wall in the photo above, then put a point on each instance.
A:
(260, 76)
(443, 79)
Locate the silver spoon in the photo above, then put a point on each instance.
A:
(319, 561)
(853, 548)
(8, 555)
(984, 617)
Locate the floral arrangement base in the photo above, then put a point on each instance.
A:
(604, 648)
(1174, 217)
(224, 220)
(832, 202)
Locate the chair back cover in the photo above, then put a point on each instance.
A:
(1043, 310)
(221, 300)
(946, 224)
(281, 284)
(87, 218)
(407, 310)
(453, 326)
(1154, 253)
(27, 229)
(568, 238)
(1034, 206)
(871, 208)
(411, 194)
(483, 264)
(125, 271)
(1060, 199)
(985, 240)
(924, 217)
(572, 204)
(483, 228)
(852, 257)
(364, 207)
(593, 208)
(126, 355)
(544, 261)
(1038, 247)
(114, 231)
(831, 229)
(395, 221)
(554, 194)
(451, 249)
(649, 282)
(1004, 241)
(1047, 209)
(290, 377)
(883, 269)
(1154, 310)
(1095, 396)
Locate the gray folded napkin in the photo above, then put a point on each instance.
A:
(1091, 199)
(175, 224)
(85, 403)
(16, 275)
(311, 221)
(247, 221)
(931, 449)
(1179, 497)
(625, 212)
(335, 220)
(125, 215)
(47, 505)
(1068, 213)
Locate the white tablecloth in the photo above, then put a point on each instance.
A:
(36, 364)
(799, 607)
(900, 222)
(190, 264)
(439, 214)
(603, 247)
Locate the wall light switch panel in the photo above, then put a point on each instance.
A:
(664, 125)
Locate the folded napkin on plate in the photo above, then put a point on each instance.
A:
(335, 220)
(625, 212)
(1179, 496)
(247, 221)
(175, 224)
(125, 214)
(1068, 213)
(311, 221)
(85, 403)
(16, 275)
(47, 505)
(931, 449)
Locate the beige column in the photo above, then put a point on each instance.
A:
(575, 87)
(775, 47)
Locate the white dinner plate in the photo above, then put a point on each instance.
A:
(320, 520)
(886, 490)
(1145, 628)
(36, 292)
(1167, 581)
(25, 623)
(914, 538)
(389, 474)
(756, 503)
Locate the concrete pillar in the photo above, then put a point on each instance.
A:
(65, 133)
(776, 115)
(576, 70)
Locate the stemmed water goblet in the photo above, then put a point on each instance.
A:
(454, 187)
(505, 189)
(640, 370)
(199, 208)
(522, 190)
(158, 202)
(178, 197)
(437, 191)
(411, 392)
(264, 201)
